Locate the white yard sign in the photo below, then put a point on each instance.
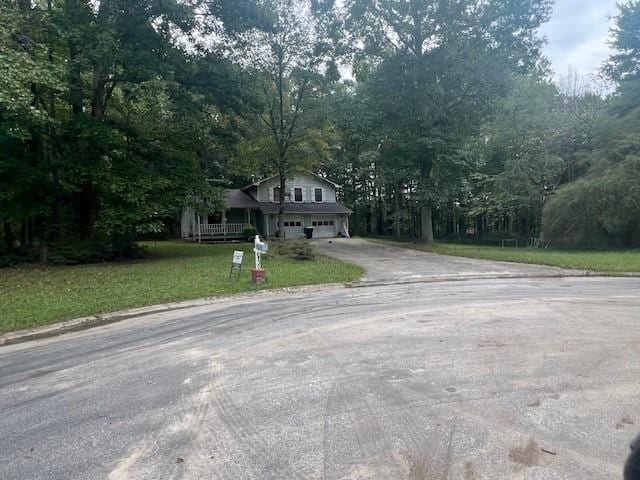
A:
(237, 257)
(236, 264)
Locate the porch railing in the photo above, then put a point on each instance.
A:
(221, 228)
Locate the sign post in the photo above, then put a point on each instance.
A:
(259, 274)
(236, 264)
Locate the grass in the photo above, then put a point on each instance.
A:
(34, 296)
(610, 261)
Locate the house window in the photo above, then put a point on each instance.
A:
(214, 218)
(276, 194)
(322, 223)
(297, 194)
(317, 192)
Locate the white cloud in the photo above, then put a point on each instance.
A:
(577, 35)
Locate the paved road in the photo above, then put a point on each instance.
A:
(389, 263)
(455, 380)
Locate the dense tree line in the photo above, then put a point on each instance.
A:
(507, 152)
(439, 118)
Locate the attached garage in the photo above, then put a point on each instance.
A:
(293, 226)
(328, 219)
(324, 227)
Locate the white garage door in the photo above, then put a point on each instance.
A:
(293, 227)
(324, 227)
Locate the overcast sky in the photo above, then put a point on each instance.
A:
(577, 35)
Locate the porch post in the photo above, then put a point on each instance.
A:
(199, 229)
(224, 224)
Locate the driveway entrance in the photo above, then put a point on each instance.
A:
(385, 262)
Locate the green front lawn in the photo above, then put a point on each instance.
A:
(611, 261)
(175, 271)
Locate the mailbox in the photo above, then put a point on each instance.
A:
(259, 248)
(262, 247)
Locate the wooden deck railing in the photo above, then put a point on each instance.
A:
(221, 229)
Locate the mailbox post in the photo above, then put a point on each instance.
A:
(258, 274)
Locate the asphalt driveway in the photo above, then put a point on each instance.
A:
(385, 262)
(483, 379)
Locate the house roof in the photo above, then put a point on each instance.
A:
(326, 208)
(236, 198)
(258, 182)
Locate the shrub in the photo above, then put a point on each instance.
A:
(598, 211)
(249, 231)
(73, 252)
(18, 256)
(298, 248)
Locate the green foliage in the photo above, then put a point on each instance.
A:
(291, 62)
(625, 64)
(600, 210)
(249, 231)
(108, 124)
(298, 248)
(537, 140)
(114, 115)
(431, 83)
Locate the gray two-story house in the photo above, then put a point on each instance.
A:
(310, 201)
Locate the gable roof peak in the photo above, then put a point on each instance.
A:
(310, 174)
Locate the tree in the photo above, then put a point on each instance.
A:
(602, 208)
(291, 60)
(439, 67)
(538, 140)
(625, 64)
(111, 114)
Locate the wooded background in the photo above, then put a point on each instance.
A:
(438, 117)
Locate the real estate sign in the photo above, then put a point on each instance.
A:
(236, 264)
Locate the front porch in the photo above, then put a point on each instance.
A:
(226, 225)
(218, 231)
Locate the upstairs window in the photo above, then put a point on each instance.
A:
(297, 194)
(276, 194)
(317, 192)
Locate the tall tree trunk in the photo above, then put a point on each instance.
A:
(280, 232)
(83, 199)
(8, 235)
(412, 221)
(380, 217)
(426, 217)
(23, 232)
(101, 90)
(75, 80)
(396, 213)
(46, 238)
(462, 226)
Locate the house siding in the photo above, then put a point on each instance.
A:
(308, 183)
